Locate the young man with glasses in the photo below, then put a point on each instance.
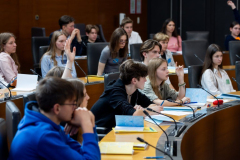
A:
(40, 135)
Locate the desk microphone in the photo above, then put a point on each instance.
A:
(40, 77)
(170, 100)
(141, 140)
(237, 56)
(82, 70)
(198, 58)
(10, 96)
(167, 148)
(236, 81)
(211, 95)
(150, 109)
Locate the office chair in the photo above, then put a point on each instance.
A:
(135, 51)
(3, 140)
(151, 35)
(100, 33)
(13, 117)
(94, 51)
(110, 77)
(237, 71)
(189, 48)
(234, 49)
(194, 74)
(38, 32)
(28, 97)
(197, 35)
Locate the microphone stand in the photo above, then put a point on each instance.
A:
(81, 70)
(198, 58)
(170, 100)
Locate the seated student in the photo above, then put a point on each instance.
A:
(166, 54)
(9, 65)
(115, 54)
(175, 41)
(235, 30)
(157, 90)
(235, 11)
(92, 33)
(66, 24)
(39, 132)
(214, 78)
(133, 37)
(151, 49)
(121, 97)
(55, 55)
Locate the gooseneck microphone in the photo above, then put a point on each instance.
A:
(82, 70)
(209, 93)
(141, 140)
(170, 100)
(237, 56)
(36, 73)
(150, 109)
(236, 81)
(198, 58)
(146, 113)
(10, 96)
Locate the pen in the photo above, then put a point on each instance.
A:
(158, 157)
(13, 80)
(162, 103)
(151, 128)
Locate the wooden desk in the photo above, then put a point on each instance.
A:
(214, 136)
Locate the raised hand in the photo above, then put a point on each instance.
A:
(70, 55)
(231, 4)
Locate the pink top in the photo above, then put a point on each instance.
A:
(8, 68)
(173, 44)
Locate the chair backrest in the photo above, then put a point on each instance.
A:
(151, 35)
(38, 32)
(100, 33)
(28, 97)
(194, 74)
(110, 77)
(13, 117)
(237, 71)
(189, 48)
(197, 35)
(42, 50)
(94, 51)
(135, 51)
(3, 140)
(81, 27)
(234, 49)
(36, 43)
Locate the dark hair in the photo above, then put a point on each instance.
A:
(64, 20)
(79, 86)
(149, 45)
(53, 90)
(208, 63)
(56, 71)
(132, 69)
(89, 27)
(114, 43)
(125, 21)
(234, 23)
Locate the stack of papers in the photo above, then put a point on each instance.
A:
(161, 120)
(179, 109)
(26, 83)
(176, 113)
(229, 96)
(116, 147)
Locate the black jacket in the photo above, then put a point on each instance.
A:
(114, 101)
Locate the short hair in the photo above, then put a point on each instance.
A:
(132, 69)
(234, 23)
(89, 27)
(149, 45)
(161, 37)
(64, 20)
(56, 71)
(53, 90)
(125, 21)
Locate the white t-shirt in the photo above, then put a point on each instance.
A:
(135, 38)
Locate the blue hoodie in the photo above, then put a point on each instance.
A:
(40, 138)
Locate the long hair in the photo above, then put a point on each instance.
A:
(4, 38)
(208, 63)
(79, 86)
(153, 65)
(52, 47)
(114, 43)
(164, 28)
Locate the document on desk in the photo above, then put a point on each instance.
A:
(176, 113)
(26, 82)
(116, 147)
(179, 109)
(161, 120)
(197, 95)
(129, 123)
(229, 96)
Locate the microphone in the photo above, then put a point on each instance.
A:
(82, 70)
(168, 144)
(198, 58)
(170, 100)
(236, 81)
(10, 96)
(141, 140)
(237, 56)
(150, 109)
(40, 77)
(209, 93)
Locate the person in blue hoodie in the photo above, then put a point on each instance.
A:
(40, 135)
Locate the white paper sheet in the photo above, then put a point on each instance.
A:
(26, 82)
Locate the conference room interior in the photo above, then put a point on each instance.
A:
(213, 17)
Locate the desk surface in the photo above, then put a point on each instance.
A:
(152, 138)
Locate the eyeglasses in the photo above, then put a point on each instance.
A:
(122, 41)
